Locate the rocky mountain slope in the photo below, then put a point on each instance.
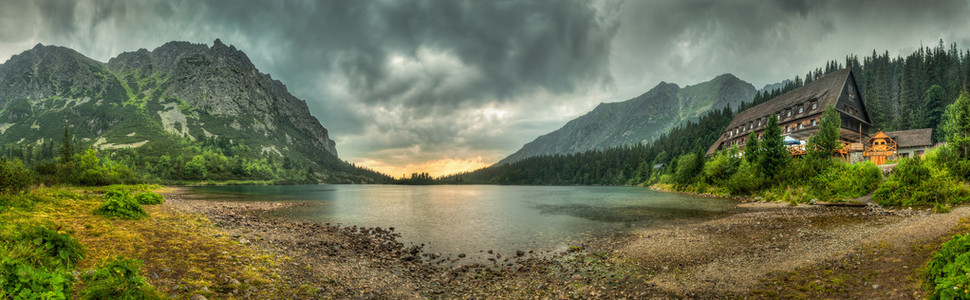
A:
(638, 120)
(176, 96)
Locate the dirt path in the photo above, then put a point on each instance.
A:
(736, 254)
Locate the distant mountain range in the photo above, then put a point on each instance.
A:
(639, 120)
(159, 102)
(775, 86)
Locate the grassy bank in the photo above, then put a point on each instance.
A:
(54, 232)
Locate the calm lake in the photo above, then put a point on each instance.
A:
(454, 219)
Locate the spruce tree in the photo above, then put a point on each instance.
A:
(751, 148)
(773, 153)
(935, 100)
(66, 152)
(826, 139)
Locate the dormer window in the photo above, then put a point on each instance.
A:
(759, 122)
(788, 113)
(814, 105)
(801, 109)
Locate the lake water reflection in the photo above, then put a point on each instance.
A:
(456, 219)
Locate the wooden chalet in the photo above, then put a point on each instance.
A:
(891, 145)
(800, 110)
(910, 143)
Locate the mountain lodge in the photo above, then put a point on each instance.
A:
(799, 112)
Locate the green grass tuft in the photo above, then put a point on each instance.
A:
(120, 204)
(149, 198)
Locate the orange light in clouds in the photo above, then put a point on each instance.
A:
(435, 168)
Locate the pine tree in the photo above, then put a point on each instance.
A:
(773, 153)
(751, 148)
(935, 102)
(826, 139)
(66, 152)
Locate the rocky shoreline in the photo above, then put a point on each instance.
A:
(728, 256)
(360, 262)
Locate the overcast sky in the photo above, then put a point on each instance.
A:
(451, 85)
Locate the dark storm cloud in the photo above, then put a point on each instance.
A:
(423, 78)
(766, 41)
(511, 46)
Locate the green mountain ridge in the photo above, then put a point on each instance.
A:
(639, 120)
(161, 102)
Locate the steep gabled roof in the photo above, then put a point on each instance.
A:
(912, 138)
(825, 89)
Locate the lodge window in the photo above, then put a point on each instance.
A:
(799, 125)
(814, 122)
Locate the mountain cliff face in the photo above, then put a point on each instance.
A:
(638, 120)
(178, 95)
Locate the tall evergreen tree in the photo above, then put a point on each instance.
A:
(935, 101)
(751, 148)
(66, 152)
(826, 139)
(773, 153)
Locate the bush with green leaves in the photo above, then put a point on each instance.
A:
(14, 176)
(21, 280)
(746, 180)
(947, 272)
(53, 247)
(915, 181)
(119, 204)
(721, 166)
(846, 181)
(689, 166)
(149, 198)
(118, 279)
(35, 261)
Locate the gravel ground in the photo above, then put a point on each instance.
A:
(727, 256)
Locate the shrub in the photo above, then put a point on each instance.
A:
(688, 167)
(48, 244)
(721, 166)
(846, 181)
(149, 198)
(119, 204)
(118, 279)
(20, 280)
(14, 176)
(746, 180)
(947, 272)
(916, 182)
